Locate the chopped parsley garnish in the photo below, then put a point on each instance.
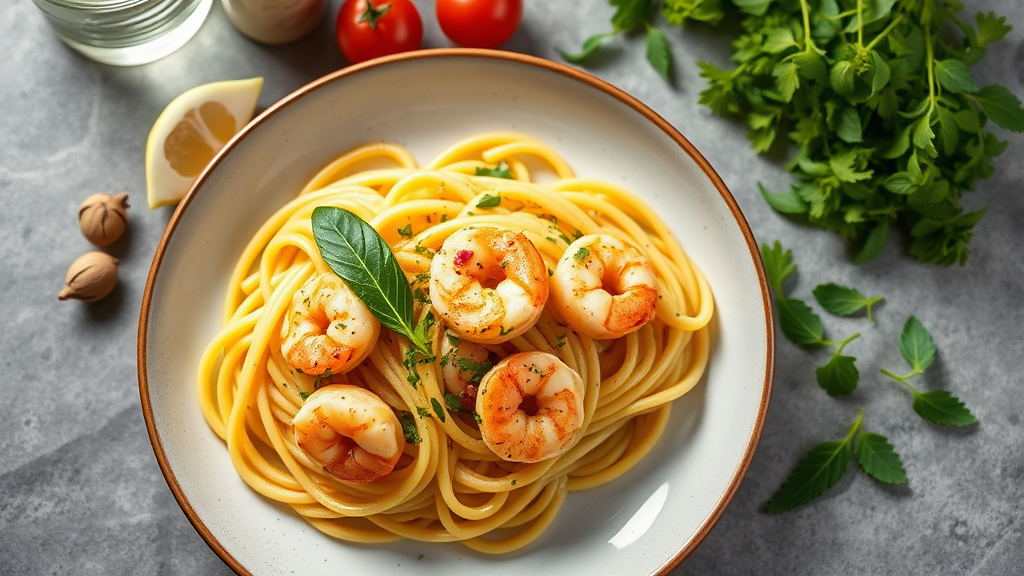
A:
(489, 201)
(405, 231)
(582, 253)
(499, 171)
(408, 421)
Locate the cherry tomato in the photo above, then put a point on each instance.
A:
(479, 23)
(371, 28)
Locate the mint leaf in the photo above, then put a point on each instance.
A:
(819, 470)
(1001, 106)
(839, 376)
(499, 171)
(876, 457)
(954, 76)
(798, 322)
(916, 345)
(658, 53)
(589, 46)
(360, 257)
(778, 265)
(941, 407)
(842, 300)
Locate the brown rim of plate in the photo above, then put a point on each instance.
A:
(564, 70)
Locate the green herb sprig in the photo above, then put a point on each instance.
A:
(839, 376)
(938, 406)
(888, 123)
(631, 15)
(825, 464)
(359, 256)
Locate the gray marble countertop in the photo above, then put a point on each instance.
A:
(80, 489)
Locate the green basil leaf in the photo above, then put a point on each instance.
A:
(819, 470)
(941, 407)
(916, 345)
(360, 257)
(438, 409)
(876, 457)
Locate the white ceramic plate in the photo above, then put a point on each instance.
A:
(643, 523)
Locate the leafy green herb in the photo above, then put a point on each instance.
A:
(303, 394)
(839, 376)
(876, 457)
(630, 15)
(453, 402)
(499, 171)
(421, 296)
(358, 254)
(489, 201)
(405, 230)
(581, 254)
(844, 301)
(423, 412)
(823, 467)
(936, 406)
(878, 100)
(453, 338)
(819, 470)
(408, 421)
(438, 410)
(477, 370)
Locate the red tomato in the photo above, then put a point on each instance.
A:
(371, 28)
(479, 23)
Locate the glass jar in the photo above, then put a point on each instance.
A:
(125, 32)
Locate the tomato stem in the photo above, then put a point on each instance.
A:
(374, 13)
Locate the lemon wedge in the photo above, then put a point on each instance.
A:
(189, 133)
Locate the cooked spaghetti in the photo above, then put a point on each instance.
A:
(450, 477)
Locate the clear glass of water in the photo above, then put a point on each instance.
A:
(125, 32)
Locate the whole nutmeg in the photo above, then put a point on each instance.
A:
(103, 217)
(90, 278)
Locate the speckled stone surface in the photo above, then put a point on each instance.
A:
(80, 490)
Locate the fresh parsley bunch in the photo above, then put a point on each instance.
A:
(878, 97)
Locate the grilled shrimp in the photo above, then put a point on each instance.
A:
(349, 431)
(604, 287)
(488, 284)
(531, 407)
(327, 328)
